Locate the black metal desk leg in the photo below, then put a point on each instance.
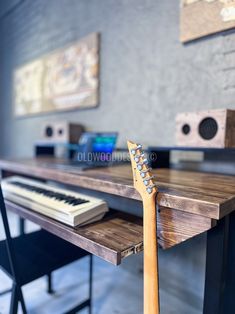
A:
(90, 283)
(216, 263)
(229, 297)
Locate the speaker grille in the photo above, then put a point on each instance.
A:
(208, 128)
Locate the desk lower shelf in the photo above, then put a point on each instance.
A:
(117, 236)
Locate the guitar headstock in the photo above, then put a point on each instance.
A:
(142, 175)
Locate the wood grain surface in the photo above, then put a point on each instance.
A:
(205, 194)
(117, 236)
(120, 235)
(174, 226)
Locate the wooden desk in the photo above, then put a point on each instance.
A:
(189, 203)
(208, 195)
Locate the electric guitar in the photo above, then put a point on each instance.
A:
(144, 184)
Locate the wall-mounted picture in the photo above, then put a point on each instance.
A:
(201, 18)
(65, 79)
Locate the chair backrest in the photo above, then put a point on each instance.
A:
(9, 241)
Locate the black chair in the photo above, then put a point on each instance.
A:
(31, 256)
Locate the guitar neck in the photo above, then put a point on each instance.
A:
(145, 185)
(151, 294)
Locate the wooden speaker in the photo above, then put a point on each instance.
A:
(61, 132)
(212, 129)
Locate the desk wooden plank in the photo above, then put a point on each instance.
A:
(208, 195)
(174, 226)
(117, 236)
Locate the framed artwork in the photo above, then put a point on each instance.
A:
(65, 79)
(201, 18)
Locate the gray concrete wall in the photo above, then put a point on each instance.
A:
(147, 76)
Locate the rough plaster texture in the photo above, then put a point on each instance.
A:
(147, 77)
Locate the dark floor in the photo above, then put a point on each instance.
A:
(116, 289)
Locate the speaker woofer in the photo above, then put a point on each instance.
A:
(208, 128)
(49, 131)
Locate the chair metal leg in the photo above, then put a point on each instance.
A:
(21, 226)
(14, 300)
(5, 292)
(50, 289)
(16, 297)
(21, 298)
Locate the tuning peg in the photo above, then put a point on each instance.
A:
(144, 172)
(149, 189)
(137, 157)
(146, 181)
(134, 150)
(140, 165)
(145, 161)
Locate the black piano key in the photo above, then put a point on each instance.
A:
(67, 199)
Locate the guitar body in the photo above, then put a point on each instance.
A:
(144, 184)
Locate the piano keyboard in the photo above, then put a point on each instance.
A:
(61, 204)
